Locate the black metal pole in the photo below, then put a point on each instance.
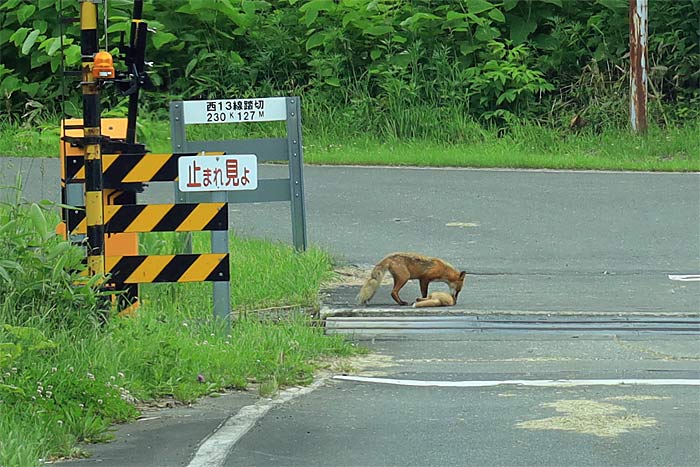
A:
(137, 46)
(93, 135)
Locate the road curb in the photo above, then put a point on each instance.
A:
(327, 312)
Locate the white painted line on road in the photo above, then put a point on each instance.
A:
(506, 169)
(215, 449)
(684, 278)
(557, 383)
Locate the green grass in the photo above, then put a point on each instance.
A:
(522, 146)
(265, 274)
(66, 374)
(526, 147)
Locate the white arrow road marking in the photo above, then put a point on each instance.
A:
(684, 278)
(524, 382)
(214, 450)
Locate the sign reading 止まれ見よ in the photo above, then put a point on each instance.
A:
(218, 173)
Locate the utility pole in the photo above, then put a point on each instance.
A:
(638, 65)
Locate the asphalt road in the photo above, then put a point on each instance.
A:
(367, 423)
(531, 240)
(552, 242)
(352, 422)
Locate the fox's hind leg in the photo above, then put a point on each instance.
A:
(401, 275)
(399, 282)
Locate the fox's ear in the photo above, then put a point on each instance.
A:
(462, 274)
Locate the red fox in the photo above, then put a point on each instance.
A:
(435, 299)
(406, 266)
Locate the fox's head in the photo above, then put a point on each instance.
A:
(456, 286)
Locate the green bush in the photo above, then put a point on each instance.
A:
(492, 60)
(40, 273)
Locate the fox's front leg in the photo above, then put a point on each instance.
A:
(424, 287)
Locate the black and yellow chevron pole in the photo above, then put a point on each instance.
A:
(92, 137)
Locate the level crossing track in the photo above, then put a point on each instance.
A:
(379, 325)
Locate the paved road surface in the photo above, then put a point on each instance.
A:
(366, 423)
(533, 241)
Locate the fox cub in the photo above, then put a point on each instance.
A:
(435, 299)
(406, 266)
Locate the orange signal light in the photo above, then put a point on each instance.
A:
(103, 67)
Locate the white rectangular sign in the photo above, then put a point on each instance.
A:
(269, 109)
(218, 173)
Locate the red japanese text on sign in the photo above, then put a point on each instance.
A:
(218, 173)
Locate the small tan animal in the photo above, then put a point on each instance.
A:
(406, 266)
(435, 299)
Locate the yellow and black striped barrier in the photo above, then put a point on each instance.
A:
(210, 267)
(110, 213)
(156, 218)
(119, 169)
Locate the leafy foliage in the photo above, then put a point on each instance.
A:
(494, 60)
(64, 379)
(40, 273)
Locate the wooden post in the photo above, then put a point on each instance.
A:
(638, 65)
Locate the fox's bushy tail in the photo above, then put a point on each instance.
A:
(370, 287)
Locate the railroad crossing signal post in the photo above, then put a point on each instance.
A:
(118, 167)
(93, 140)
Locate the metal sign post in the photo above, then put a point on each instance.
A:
(247, 153)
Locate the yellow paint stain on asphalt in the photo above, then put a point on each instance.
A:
(589, 417)
(373, 364)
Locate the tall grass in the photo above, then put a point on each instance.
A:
(66, 376)
(431, 136)
(263, 274)
(524, 146)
